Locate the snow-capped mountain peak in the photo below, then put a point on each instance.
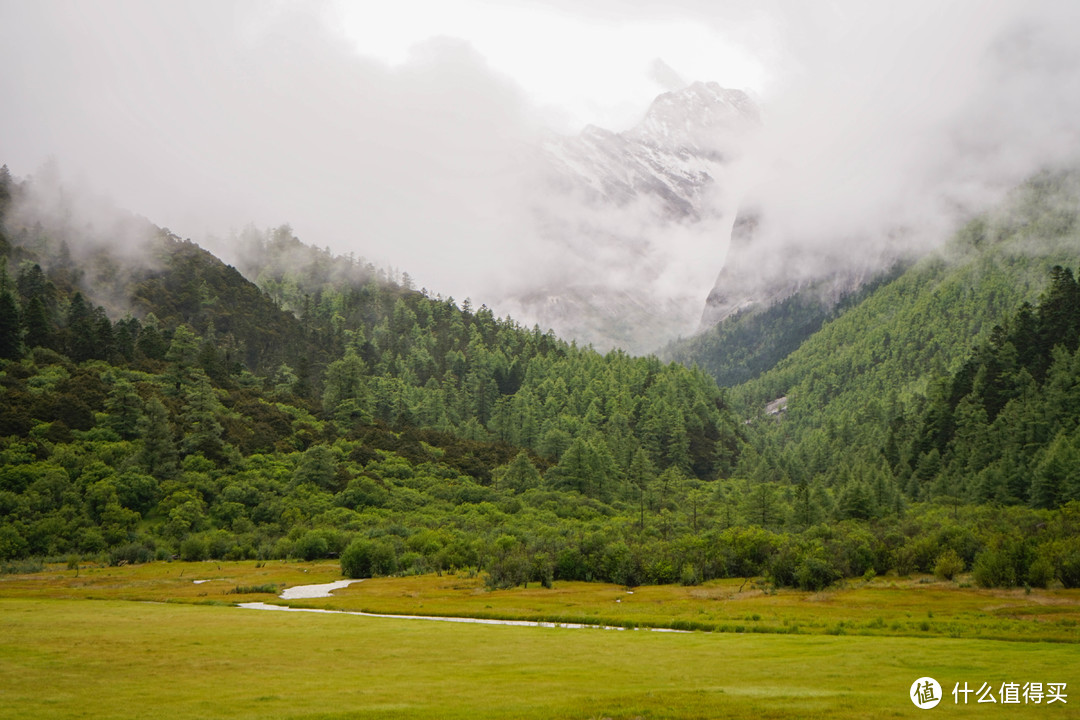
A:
(679, 147)
(638, 220)
(701, 116)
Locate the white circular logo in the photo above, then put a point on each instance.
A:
(925, 693)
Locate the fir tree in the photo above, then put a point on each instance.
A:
(202, 431)
(158, 453)
(10, 327)
(125, 409)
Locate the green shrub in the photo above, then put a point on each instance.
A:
(12, 543)
(194, 548)
(356, 560)
(994, 568)
(312, 545)
(1040, 573)
(815, 573)
(660, 572)
(280, 549)
(1064, 557)
(784, 565)
(251, 589)
(507, 571)
(219, 543)
(365, 558)
(22, 567)
(621, 566)
(412, 563)
(130, 554)
(1069, 571)
(917, 555)
(689, 576)
(949, 564)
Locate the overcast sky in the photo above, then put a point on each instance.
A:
(401, 131)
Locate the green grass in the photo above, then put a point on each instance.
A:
(110, 659)
(75, 645)
(264, 589)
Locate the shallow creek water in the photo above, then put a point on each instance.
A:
(304, 592)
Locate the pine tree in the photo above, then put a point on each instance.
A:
(555, 442)
(183, 359)
(575, 470)
(125, 409)
(202, 431)
(32, 283)
(80, 331)
(345, 392)
(150, 343)
(6, 185)
(158, 454)
(39, 329)
(605, 470)
(1057, 474)
(10, 327)
(806, 511)
(640, 478)
(760, 505)
(1059, 312)
(125, 334)
(855, 502)
(678, 448)
(317, 466)
(302, 387)
(104, 338)
(519, 475)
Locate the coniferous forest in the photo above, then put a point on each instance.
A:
(158, 403)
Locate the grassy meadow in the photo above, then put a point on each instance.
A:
(77, 646)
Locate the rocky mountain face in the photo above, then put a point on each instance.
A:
(674, 156)
(634, 224)
(754, 278)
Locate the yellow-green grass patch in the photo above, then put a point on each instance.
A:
(881, 607)
(109, 659)
(884, 606)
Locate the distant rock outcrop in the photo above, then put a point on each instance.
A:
(755, 277)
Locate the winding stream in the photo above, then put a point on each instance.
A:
(304, 592)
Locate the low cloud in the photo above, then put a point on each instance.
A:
(901, 122)
(206, 116)
(883, 126)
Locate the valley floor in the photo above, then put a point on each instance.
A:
(186, 652)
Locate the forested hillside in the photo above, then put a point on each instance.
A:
(1003, 428)
(752, 341)
(331, 412)
(169, 403)
(848, 383)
